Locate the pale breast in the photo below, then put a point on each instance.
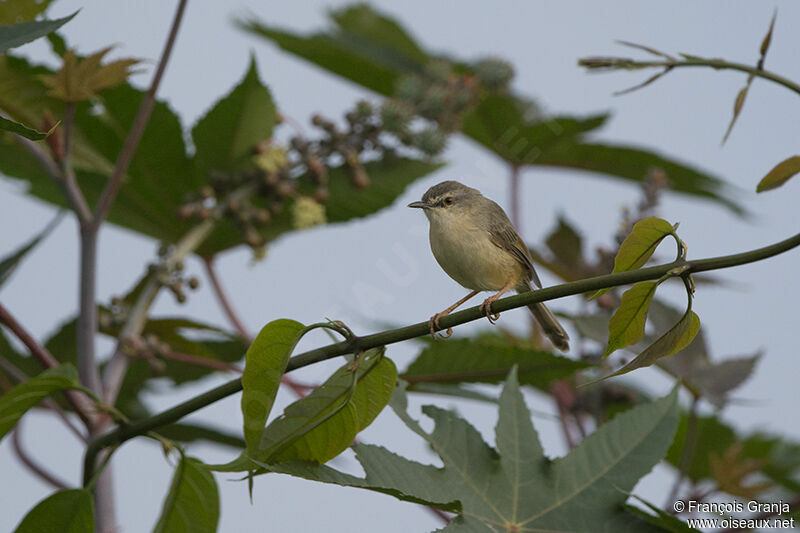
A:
(469, 257)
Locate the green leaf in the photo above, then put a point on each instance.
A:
(192, 504)
(225, 138)
(21, 10)
(780, 174)
(374, 51)
(488, 359)
(626, 327)
(19, 129)
(388, 180)
(501, 123)
(25, 32)
(639, 246)
(324, 423)
(27, 394)
(634, 164)
(65, 511)
(674, 340)
(9, 264)
(515, 485)
(712, 436)
(266, 359)
(364, 46)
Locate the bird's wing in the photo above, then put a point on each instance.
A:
(503, 235)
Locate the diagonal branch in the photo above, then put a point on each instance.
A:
(69, 187)
(137, 129)
(125, 432)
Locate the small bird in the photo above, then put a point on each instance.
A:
(475, 243)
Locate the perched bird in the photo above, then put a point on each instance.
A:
(475, 243)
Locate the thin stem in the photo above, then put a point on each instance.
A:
(82, 404)
(718, 64)
(688, 452)
(87, 317)
(140, 427)
(202, 361)
(67, 183)
(137, 129)
(115, 370)
(224, 302)
(33, 466)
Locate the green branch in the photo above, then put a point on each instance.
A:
(678, 268)
(620, 63)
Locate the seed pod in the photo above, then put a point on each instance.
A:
(494, 74)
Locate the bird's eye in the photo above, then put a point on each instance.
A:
(448, 200)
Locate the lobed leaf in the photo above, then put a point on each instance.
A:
(266, 363)
(81, 79)
(626, 326)
(780, 174)
(27, 394)
(65, 511)
(515, 487)
(192, 503)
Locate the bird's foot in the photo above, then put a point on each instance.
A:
(433, 324)
(486, 307)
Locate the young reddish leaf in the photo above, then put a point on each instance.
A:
(780, 174)
(673, 341)
(639, 245)
(626, 327)
(81, 79)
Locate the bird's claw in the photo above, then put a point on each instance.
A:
(434, 325)
(486, 307)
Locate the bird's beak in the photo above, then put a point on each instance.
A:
(421, 205)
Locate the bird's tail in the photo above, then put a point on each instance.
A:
(550, 325)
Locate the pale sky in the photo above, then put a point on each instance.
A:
(382, 267)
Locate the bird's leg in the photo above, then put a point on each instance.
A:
(434, 320)
(486, 306)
